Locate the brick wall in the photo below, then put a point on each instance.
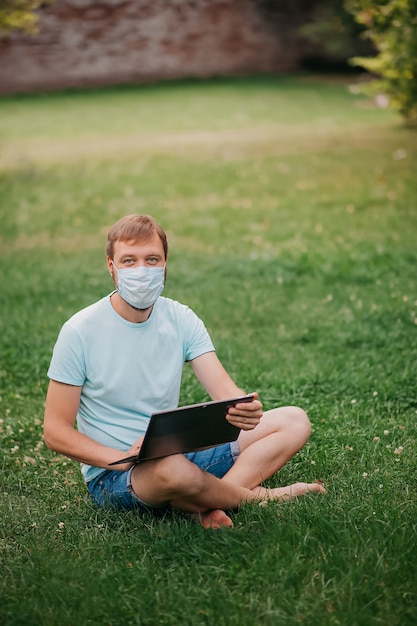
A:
(99, 42)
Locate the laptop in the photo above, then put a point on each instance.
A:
(187, 429)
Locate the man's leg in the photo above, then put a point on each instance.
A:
(177, 481)
(174, 479)
(264, 450)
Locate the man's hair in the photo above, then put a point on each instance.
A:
(135, 228)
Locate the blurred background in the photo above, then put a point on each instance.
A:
(82, 43)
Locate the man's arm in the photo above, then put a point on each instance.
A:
(62, 402)
(218, 384)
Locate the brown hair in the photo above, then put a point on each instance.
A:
(135, 228)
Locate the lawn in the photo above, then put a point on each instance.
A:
(291, 209)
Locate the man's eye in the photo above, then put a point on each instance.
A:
(152, 260)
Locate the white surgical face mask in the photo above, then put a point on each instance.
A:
(140, 286)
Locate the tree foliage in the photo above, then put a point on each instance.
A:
(333, 30)
(19, 15)
(392, 27)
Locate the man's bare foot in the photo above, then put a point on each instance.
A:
(215, 518)
(290, 492)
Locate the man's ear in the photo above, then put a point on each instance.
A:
(110, 267)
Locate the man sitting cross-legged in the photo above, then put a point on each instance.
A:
(120, 359)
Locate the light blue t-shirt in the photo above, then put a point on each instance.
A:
(126, 370)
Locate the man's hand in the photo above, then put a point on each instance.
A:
(246, 415)
(135, 447)
(133, 451)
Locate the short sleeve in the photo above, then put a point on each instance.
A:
(198, 340)
(68, 361)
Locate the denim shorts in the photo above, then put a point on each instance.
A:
(113, 489)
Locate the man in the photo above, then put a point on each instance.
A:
(121, 359)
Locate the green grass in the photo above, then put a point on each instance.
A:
(290, 205)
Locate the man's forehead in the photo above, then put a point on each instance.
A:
(150, 244)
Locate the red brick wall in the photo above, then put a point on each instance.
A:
(99, 42)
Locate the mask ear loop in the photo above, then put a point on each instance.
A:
(111, 273)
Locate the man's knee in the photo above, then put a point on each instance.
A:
(292, 419)
(300, 420)
(173, 475)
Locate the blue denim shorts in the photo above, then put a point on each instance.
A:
(113, 489)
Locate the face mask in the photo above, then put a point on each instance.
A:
(140, 286)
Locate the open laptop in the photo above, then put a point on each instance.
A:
(187, 429)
